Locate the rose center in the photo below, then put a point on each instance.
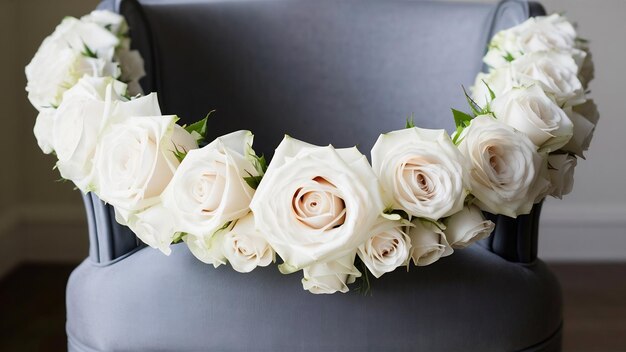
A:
(417, 183)
(318, 206)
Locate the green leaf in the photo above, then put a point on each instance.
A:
(365, 286)
(88, 52)
(200, 127)
(508, 57)
(253, 181)
(457, 135)
(178, 237)
(492, 95)
(476, 109)
(259, 162)
(224, 227)
(179, 154)
(395, 214)
(461, 119)
(410, 123)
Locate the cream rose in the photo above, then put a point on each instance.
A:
(87, 109)
(499, 81)
(62, 60)
(77, 123)
(130, 61)
(556, 73)
(330, 277)
(545, 33)
(155, 226)
(561, 169)
(316, 204)
(209, 189)
(387, 249)
(135, 161)
(428, 243)
(584, 117)
(207, 249)
(466, 227)
(502, 48)
(537, 34)
(531, 111)
(421, 171)
(113, 22)
(43, 129)
(507, 174)
(245, 248)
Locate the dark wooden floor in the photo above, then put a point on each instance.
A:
(594, 306)
(32, 307)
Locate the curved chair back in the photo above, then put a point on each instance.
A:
(329, 72)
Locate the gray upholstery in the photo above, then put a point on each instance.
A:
(327, 71)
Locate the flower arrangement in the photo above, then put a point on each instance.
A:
(324, 211)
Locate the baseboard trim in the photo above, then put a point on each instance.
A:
(582, 232)
(42, 233)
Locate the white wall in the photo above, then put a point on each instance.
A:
(590, 223)
(44, 220)
(39, 219)
(8, 138)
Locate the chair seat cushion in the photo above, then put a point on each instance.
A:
(470, 301)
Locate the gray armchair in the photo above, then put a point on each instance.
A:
(328, 71)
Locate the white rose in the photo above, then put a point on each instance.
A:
(561, 169)
(537, 34)
(386, 250)
(421, 171)
(584, 117)
(245, 248)
(531, 111)
(545, 33)
(86, 110)
(132, 69)
(507, 174)
(130, 61)
(135, 161)
(208, 189)
(113, 22)
(77, 124)
(467, 226)
(207, 249)
(557, 74)
(43, 129)
(499, 81)
(155, 226)
(330, 277)
(428, 243)
(316, 204)
(503, 48)
(61, 60)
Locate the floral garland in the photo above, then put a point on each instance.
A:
(323, 210)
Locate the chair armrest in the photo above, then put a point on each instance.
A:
(515, 239)
(108, 240)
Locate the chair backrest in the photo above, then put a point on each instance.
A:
(329, 72)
